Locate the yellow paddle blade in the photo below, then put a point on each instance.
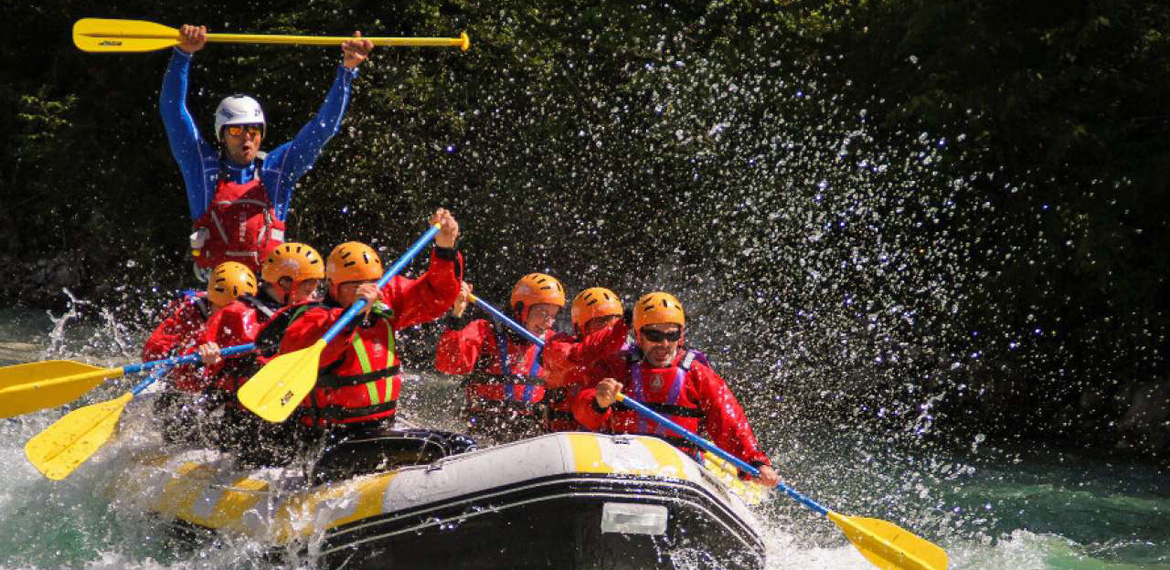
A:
(35, 386)
(103, 35)
(278, 388)
(73, 439)
(889, 546)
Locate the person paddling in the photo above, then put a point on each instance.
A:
(186, 318)
(600, 330)
(360, 370)
(238, 196)
(180, 332)
(504, 389)
(670, 380)
(290, 275)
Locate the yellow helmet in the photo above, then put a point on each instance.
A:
(536, 289)
(296, 261)
(593, 303)
(228, 281)
(352, 261)
(658, 309)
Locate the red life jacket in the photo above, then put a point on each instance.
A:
(496, 384)
(662, 390)
(240, 225)
(363, 385)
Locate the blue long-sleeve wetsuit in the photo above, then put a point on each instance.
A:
(280, 169)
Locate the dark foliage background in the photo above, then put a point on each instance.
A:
(942, 217)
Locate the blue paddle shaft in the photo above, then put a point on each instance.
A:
(508, 321)
(394, 270)
(691, 437)
(151, 379)
(189, 359)
(695, 439)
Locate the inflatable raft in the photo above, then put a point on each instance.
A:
(565, 500)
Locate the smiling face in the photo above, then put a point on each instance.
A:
(540, 318)
(659, 343)
(242, 142)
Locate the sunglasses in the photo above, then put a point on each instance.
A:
(237, 130)
(653, 335)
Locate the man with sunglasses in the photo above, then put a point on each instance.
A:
(670, 380)
(238, 196)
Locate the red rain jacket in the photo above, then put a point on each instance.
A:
(240, 322)
(475, 348)
(177, 335)
(568, 361)
(703, 400)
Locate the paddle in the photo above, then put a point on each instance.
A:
(70, 441)
(278, 388)
(102, 35)
(883, 543)
(34, 386)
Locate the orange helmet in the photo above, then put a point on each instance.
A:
(352, 261)
(593, 303)
(658, 309)
(535, 289)
(228, 281)
(296, 261)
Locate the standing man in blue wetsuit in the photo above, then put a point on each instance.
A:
(239, 196)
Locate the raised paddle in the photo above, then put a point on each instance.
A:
(73, 439)
(278, 388)
(883, 543)
(103, 35)
(35, 386)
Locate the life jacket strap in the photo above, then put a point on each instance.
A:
(336, 413)
(336, 381)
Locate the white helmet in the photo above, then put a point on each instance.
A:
(237, 110)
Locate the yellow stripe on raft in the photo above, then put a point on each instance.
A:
(750, 492)
(185, 486)
(193, 481)
(298, 516)
(588, 457)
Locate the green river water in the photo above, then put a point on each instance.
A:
(989, 507)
